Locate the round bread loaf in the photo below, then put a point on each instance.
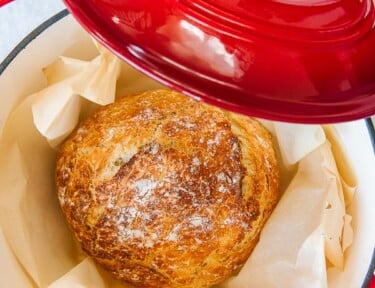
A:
(165, 191)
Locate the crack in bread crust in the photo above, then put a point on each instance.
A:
(164, 191)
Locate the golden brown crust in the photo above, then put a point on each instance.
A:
(165, 191)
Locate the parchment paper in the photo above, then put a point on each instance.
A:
(304, 239)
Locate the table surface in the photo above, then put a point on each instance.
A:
(20, 17)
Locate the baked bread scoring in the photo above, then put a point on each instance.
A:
(165, 191)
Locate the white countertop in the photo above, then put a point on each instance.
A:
(20, 17)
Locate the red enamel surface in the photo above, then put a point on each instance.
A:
(3, 2)
(310, 61)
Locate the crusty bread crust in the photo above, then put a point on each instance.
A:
(165, 191)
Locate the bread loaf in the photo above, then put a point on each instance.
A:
(165, 191)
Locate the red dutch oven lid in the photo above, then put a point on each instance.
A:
(306, 61)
